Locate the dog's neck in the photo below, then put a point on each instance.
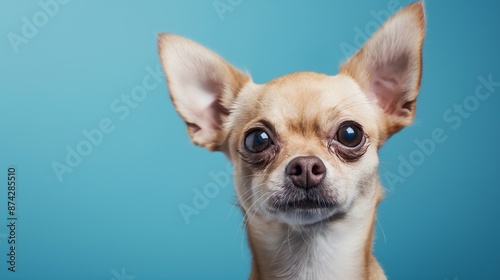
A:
(337, 249)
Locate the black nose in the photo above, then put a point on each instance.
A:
(306, 172)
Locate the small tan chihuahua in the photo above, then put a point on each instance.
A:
(304, 146)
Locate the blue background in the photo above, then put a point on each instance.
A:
(116, 214)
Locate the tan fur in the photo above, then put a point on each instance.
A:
(377, 89)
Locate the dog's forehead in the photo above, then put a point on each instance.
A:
(311, 101)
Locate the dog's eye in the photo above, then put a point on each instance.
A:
(350, 135)
(257, 141)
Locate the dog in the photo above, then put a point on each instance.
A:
(304, 146)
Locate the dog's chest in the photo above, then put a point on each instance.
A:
(319, 257)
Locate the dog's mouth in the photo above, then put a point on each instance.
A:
(306, 204)
(299, 199)
(306, 211)
(301, 207)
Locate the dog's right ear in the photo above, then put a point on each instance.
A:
(202, 87)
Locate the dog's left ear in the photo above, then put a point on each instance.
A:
(389, 67)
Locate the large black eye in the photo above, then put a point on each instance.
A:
(350, 135)
(257, 141)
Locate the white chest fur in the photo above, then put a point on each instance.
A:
(329, 252)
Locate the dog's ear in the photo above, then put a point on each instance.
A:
(202, 87)
(389, 67)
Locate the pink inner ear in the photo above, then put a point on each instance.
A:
(386, 91)
(205, 109)
(388, 83)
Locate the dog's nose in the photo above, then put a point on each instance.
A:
(306, 172)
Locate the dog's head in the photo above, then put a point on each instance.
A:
(304, 146)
